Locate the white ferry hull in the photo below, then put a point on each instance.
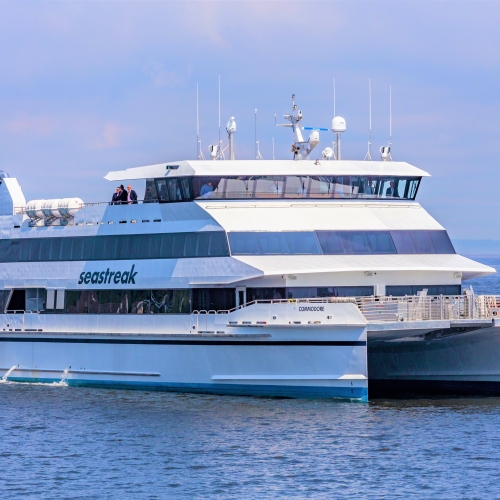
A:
(466, 363)
(249, 366)
(284, 360)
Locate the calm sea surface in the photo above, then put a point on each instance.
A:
(64, 442)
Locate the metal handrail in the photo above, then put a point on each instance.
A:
(382, 309)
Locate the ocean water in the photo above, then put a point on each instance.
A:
(60, 442)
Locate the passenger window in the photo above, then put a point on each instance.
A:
(218, 244)
(76, 248)
(155, 246)
(161, 187)
(272, 243)
(441, 242)
(305, 243)
(203, 243)
(55, 249)
(24, 253)
(178, 245)
(330, 242)
(380, 242)
(166, 246)
(243, 243)
(190, 245)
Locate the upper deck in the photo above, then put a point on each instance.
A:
(276, 179)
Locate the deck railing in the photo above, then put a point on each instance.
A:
(428, 308)
(406, 308)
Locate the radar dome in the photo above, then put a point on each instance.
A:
(338, 124)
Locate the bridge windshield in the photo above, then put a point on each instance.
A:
(180, 189)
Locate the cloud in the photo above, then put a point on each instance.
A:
(111, 136)
(33, 125)
(162, 77)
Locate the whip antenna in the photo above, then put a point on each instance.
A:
(386, 150)
(198, 140)
(369, 153)
(258, 156)
(220, 148)
(390, 116)
(334, 112)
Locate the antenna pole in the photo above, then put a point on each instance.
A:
(258, 156)
(255, 134)
(334, 111)
(273, 149)
(220, 148)
(390, 122)
(197, 126)
(369, 153)
(390, 115)
(200, 155)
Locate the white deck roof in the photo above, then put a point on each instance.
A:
(267, 167)
(324, 215)
(272, 265)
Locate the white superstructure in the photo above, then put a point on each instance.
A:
(241, 277)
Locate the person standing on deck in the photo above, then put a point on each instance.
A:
(132, 195)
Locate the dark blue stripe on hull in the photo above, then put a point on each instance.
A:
(350, 393)
(63, 340)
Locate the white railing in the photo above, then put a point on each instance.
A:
(409, 307)
(428, 308)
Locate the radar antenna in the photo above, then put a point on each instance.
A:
(369, 153)
(300, 148)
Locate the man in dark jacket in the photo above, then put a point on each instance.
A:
(132, 195)
(123, 196)
(115, 200)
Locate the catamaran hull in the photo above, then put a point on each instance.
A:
(466, 363)
(238, 366)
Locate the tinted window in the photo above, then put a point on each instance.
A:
(331, 291)
(128, 301)
(24, 251)
(340, 242)
(203, 244)
(266, 294)
(178, 245)
(291, 186)
(243, 244)
(441, 242)
(76, 249)
(422, 242)
(272, 243)
(55, 249)
(218, 244)
(330, 242)
(302, 243)
(402, 290)
(155, 246)
(214, 299)
(190, 245)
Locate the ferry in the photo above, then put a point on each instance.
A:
(283, 278)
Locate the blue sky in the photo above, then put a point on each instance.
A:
(88, 87)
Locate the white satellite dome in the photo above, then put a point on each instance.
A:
(338, 124)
